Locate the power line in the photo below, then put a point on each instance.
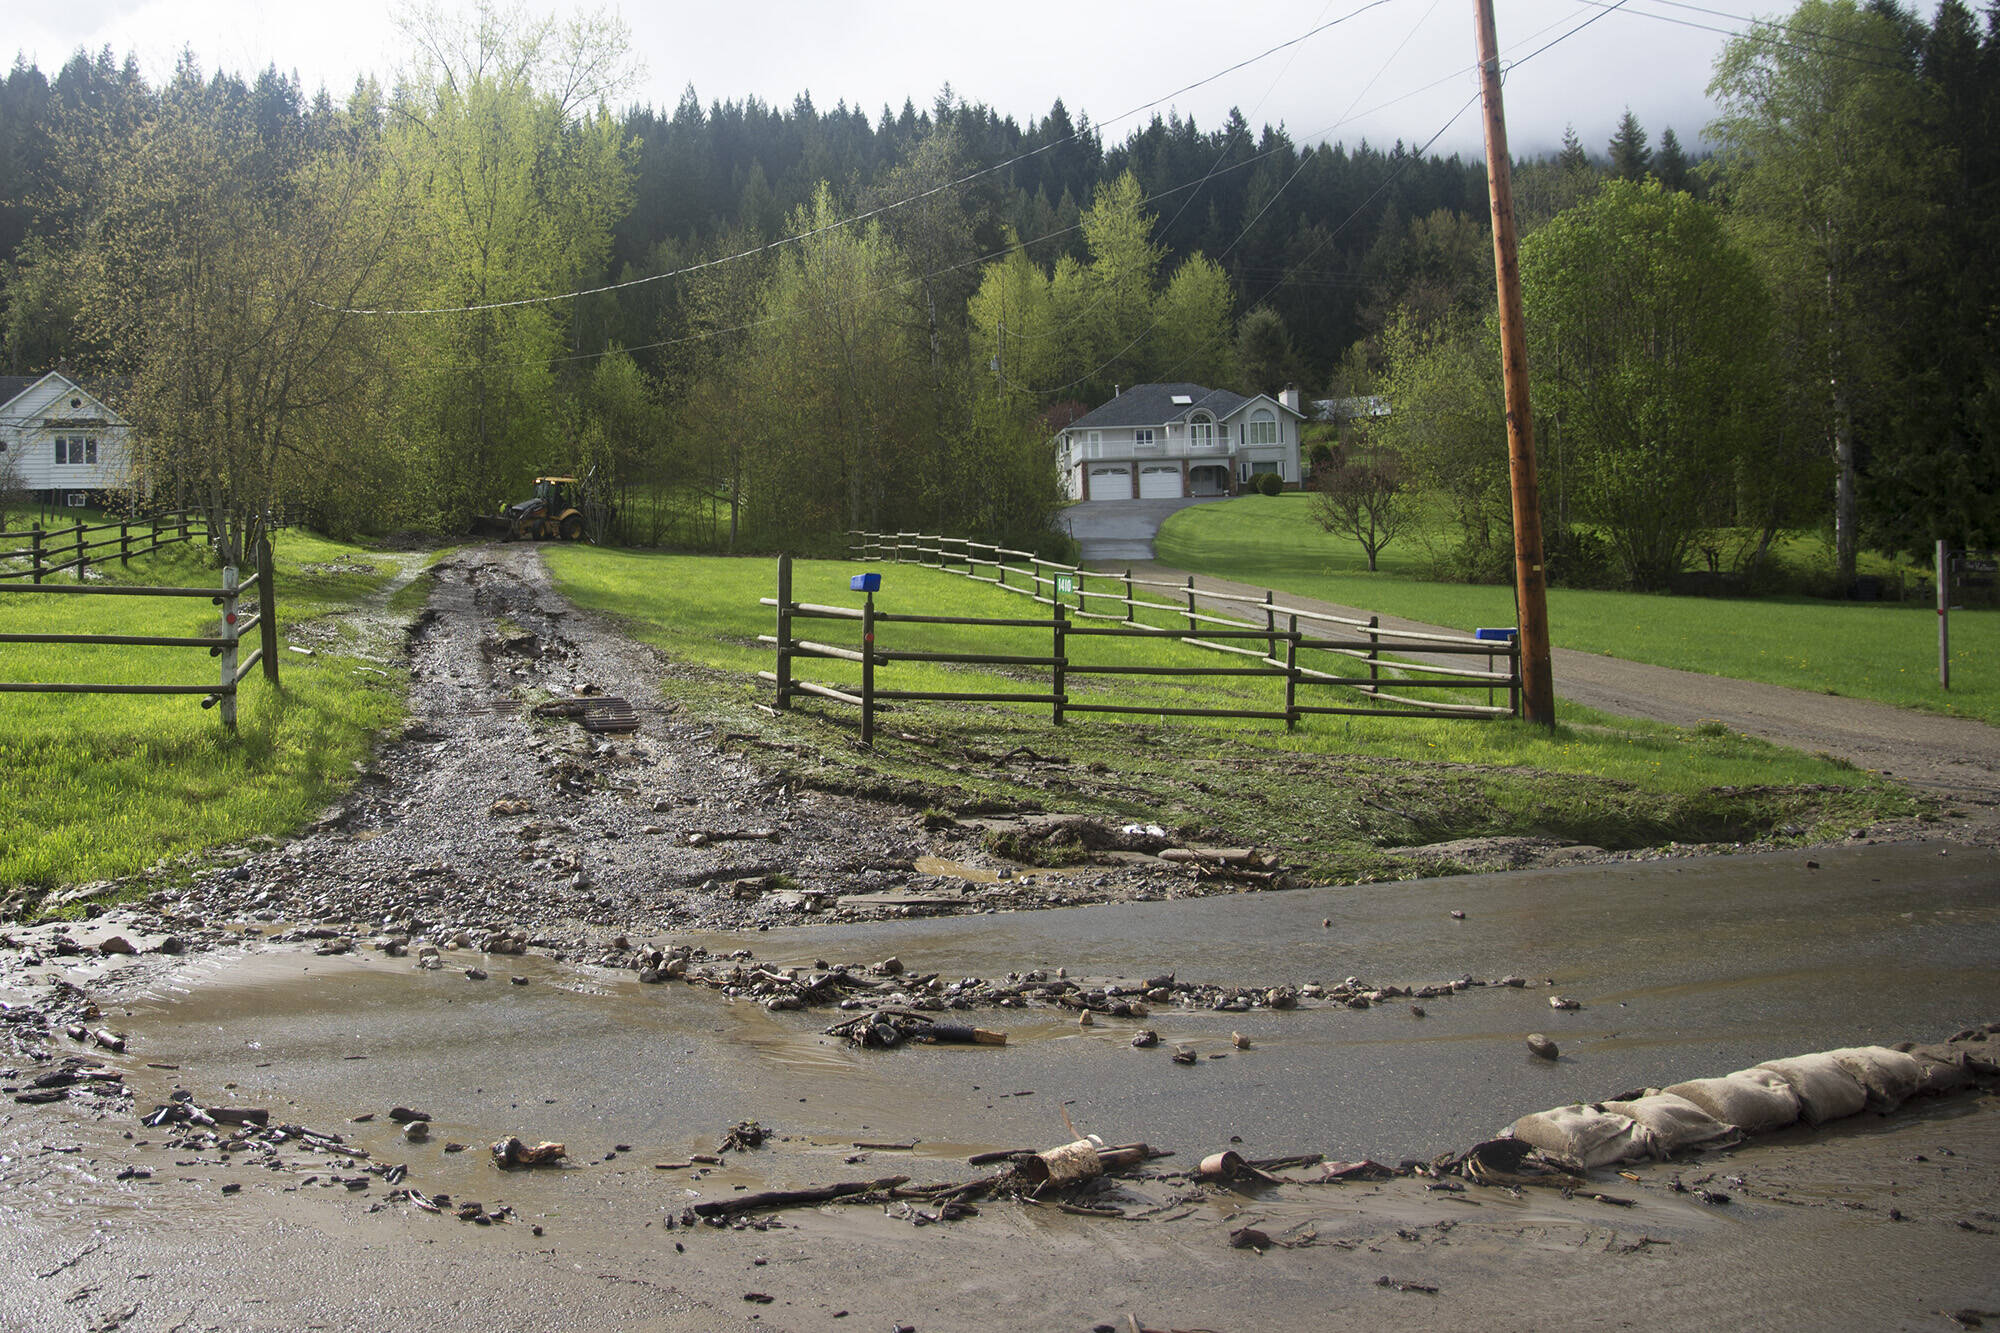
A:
(879, 210)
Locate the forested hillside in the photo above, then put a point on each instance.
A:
(758, 326)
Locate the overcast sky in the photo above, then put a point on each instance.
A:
(1398, 71)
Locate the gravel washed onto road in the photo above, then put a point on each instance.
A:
(487, 815)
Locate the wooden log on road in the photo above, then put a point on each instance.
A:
(747, 1203)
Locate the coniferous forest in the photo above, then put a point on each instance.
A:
(756, 327)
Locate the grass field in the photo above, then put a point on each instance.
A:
(1595, 779)
(1886, 652)
(98, 786)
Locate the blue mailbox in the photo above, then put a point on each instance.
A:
(1496, 635)
(865, 583)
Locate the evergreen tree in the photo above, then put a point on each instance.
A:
(1630, 158)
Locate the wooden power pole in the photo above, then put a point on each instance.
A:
(1538, 696)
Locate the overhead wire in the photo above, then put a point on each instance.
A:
(865, 215)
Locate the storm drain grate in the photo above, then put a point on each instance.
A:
(608, 713)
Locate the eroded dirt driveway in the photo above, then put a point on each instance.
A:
(1954, 758)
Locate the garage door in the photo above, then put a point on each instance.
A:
(1111, 483)
(1158, 481)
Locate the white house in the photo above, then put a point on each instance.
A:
(60, 442)
(1165, 441)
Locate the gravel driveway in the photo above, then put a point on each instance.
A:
(1957, 758)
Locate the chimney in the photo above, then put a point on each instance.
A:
(1289, 396)
(1117, 389)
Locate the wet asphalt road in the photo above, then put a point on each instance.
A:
(1685, 969)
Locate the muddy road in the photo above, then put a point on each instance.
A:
(632, 941)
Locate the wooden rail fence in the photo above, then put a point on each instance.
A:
(1093, 591)
(1273, 648)
(224, 644)
(58, 550)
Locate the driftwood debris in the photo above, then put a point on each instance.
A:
(1072, 1162)
(748, 1203)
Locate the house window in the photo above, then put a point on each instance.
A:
(1143, 438)
(1201, 432)
(1097, 444)
(1262, 428)
(78, 449)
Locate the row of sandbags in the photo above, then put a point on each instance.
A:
(1811, 1089)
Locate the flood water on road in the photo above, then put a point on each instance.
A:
(1684, 969)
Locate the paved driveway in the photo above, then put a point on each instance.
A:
(1110, 531)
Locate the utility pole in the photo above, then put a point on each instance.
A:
(1538, 695)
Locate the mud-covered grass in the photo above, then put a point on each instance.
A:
(98, 786)
(1339, 797)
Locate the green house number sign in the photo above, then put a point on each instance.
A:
(1065, 583)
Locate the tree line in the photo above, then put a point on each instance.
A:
(343, 306)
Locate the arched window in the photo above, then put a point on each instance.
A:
(1201, 430)
(1263, 427)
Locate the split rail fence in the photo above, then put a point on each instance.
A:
(1393, 685)
(59, 550)
(225, 643)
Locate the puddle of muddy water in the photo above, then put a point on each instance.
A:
(1680, 976)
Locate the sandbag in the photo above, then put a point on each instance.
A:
(1586, 1136)
(1940, 1069)
(1826, 1090)
(1676, 1123)
(1753, 1100)
(1888, 1077)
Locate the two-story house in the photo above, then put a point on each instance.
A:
(60, 443)
(1167, 441)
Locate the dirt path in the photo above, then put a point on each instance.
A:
(1957, 758)
(499, 818)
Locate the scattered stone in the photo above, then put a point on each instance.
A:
(1184, 1055)
(1145, 1037)
(1564, 1002)
(1542, 1046)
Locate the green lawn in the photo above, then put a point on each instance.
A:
(706, 610)
(99, 786)
(1886, 652)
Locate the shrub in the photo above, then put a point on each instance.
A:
(1268, 483)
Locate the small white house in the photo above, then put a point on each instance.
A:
(60, 442)
(1167, 441)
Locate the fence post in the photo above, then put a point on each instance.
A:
(1130, 611)
(868, 673)
(1271, 626)
(228, 694)
(153, 542)
(1059, 678)
(784, 632)
(1190, 610)
(125, 541)
(1292, 675)
(1374, 649)
(35, 535)
(81, 562)
(267, 610)
(1514, 678)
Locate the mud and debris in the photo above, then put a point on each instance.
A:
(496, 835)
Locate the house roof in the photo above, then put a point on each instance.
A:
(1154, 405)
(103, 393)
(13, 386)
